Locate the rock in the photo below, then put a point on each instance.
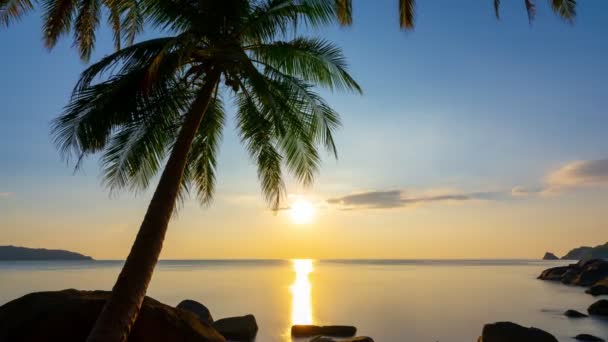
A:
(354, 339)
(599, 308)
(328, 330)
(599, 288)
(587, 337)
(511, 332)
(574, 314)
(550, 256)
(198, 309)
(592, 272)
(241, 328)
(69, 315)
(554, 273)
(583, 273)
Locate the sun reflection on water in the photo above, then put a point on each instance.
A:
(301, 299)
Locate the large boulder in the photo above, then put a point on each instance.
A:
(241, 328)
(69, 315)
(554, 273)
(583, 273)
(354, 339)
(511, 332)
(592, 272)
(587, 337)
(198, 309)
(599, 308)
(328, 330)
(574, 314)
(550, 256)
(598, 289)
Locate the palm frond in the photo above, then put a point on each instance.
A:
(13, 10)
(114, 21)
(202, 160)
(132, 22)
(530, 10)
(87, 22)
(565, 9)
(97, 111)
(406, 14)
(57, 19)
(127, 59)
(313, 60)
(344, 11)
(256, 133)
(497, 8)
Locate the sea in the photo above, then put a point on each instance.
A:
(388, 300)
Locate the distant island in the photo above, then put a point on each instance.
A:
(582, 253)
(13, 253)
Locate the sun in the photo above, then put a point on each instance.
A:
(302, 211)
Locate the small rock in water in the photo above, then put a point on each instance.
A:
(587, 337)
(329, 330)
(511, 332)
(241, 328)
(354, 339)
(599, 308)
(574, 314)
(198, 309)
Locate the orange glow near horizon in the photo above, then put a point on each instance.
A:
(301, 292)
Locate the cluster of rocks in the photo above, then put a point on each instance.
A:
(69, 316)
(511, 332)
(592, 273)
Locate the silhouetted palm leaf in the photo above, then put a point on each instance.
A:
(565, 8)
(406, 14)
(11, 10)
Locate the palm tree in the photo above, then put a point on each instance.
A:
(163, 98)
(566, 9)
(82, 17)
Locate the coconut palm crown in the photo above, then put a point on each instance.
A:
(164, 100)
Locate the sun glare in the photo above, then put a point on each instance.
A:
(302, 212)
(301, 304)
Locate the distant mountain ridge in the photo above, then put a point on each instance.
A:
(582, 253)
(586, 252)
(14, 253)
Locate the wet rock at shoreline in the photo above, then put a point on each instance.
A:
(583, 273)
(198, 309)
(599, 308)
(554, 273)
(574, 314)
(240, 328)
(599, 288)
(329, 330)
(550, 256)
(587, 337)
(69, 316)
(354, 339)
(510, 332)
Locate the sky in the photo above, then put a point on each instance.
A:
(475, 138)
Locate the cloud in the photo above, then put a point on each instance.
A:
(580, 173)
(521, 191)
(399, 198)
(6, 194)
(572, 175)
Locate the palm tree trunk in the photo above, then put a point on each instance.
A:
(120, 311)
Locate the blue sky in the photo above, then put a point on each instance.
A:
(461, 105)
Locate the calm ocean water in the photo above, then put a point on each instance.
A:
(390, 300)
